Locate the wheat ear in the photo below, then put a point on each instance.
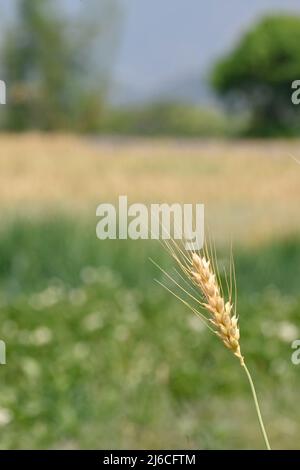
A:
(225, 322)
(204, 276)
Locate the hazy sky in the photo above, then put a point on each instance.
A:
(165, 40)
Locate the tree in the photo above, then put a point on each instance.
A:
(45, 61)
(259, 72)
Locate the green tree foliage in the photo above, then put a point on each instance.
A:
(45, 60)
(259, 72)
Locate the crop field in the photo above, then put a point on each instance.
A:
(98, 354)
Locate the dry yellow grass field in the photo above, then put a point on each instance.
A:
(250, 190)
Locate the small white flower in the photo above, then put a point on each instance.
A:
(42, 335)
(5, 416)
(77, 296)
(89, 275)
(287, 331)
(93, 321)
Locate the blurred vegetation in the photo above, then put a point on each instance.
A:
(98, 355)
(170, 119)
(257, 75)
(47, 61)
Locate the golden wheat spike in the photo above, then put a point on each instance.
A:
(201, 271)
(226, 323)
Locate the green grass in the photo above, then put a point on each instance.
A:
(99, 355)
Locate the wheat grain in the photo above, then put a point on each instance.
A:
(204, 276)
(223, 319)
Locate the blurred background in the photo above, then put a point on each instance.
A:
(165, 102)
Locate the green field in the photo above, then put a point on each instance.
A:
(101, 356)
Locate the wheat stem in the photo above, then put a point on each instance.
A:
(261, 423)
(204, 275)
